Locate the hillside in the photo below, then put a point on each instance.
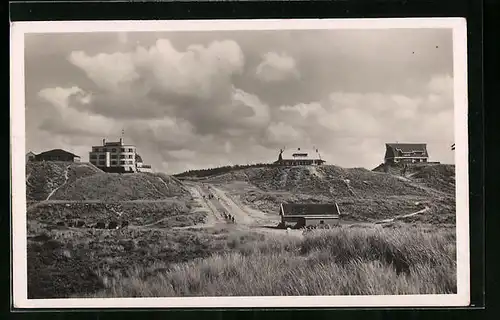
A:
(43, 177)
(440, 177)
(121, 187)
(83, 181)
(362, 195)
(325, 180)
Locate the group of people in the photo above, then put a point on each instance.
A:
(229, 217)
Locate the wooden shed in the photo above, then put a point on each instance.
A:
(301, 215)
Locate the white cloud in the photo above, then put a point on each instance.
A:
(276, 67)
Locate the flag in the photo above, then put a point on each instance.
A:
(453, 147)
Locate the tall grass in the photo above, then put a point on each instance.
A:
(333, 262)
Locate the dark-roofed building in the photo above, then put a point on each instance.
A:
(311, 214)
(297, 157)
(405, 152)
(57, 155)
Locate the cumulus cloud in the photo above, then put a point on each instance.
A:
(189, 106)
(277, 67)
(356, 125)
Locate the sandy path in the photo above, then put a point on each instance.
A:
(241, 216)
(65, 181)
(404, 216)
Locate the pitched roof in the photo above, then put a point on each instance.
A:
(58, 152)
(408, 147)
(310, 209)
(300, 154)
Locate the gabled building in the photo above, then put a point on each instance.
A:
(297, 157)
(405, 152)
(57, 155)
(311, 214)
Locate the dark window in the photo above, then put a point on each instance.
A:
(123, 149)
(113, 150)
(122, 156)
(130, 156)
(93, 156)
(130, 150)
(114, 156)
(113, 163)
(122, 162)
(101, 163)
(102, 156)
(321, 222)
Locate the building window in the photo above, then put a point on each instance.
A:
(130, 156)
(113, 163)
(101, 163)
(102, 156)
(123, 150)
(130, 150)
(113, 150)
(321, 222)
(122, 162)
(122, 156)
(114, 156)
(93, 156)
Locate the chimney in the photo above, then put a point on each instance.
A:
(121, 141)
(103, 142)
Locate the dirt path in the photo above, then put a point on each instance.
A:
(403, 216)
(65, 181)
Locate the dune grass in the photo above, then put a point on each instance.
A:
(334, 262)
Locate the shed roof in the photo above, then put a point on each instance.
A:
(58, 152)
(309, 209)
(300, 154)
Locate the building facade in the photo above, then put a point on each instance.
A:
(405, 153)
(114, 156)
(309, 215)
(56, 155)
(298, 157)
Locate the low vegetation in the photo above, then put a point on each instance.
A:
(343, 261)
(172, 213)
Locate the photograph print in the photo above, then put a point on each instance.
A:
(240, 163)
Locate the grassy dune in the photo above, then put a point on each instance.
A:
(333, 262)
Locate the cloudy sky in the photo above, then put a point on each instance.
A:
(200, 99)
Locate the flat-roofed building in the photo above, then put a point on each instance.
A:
(114, 156)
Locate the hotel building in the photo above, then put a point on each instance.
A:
(114, 156)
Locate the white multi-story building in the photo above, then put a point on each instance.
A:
(114, 156)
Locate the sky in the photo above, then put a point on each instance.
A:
(191, 100)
